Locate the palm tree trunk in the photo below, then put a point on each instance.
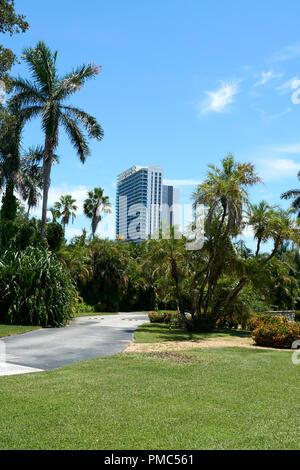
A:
(47, 161)
(258, 246)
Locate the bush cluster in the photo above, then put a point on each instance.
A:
(82, 307)
(162, 316)
(35, 289)
(277, 335)
(257, 319)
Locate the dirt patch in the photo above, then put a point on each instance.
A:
(173, 357)
(193, 344)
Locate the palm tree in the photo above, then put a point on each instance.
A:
(66, 209)
(31, 173)
(94, 205)
(224, 192)
(293, 194)
(45, 96)
(32, 176)
(260, 217)
(55, 214)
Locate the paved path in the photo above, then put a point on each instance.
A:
(85, 338)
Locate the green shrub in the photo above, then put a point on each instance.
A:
(35, 289)
(161, 316)
(277, 335)
(55, 235)
(82, 307)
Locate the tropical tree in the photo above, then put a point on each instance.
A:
(32, 177)
(11, 23)
(10, 137)
(217, 281)
(95, 205)
(46, 96)
(31, 173)
(260, 216)
(295, 195)
(66, 208)
(224, 193)
(55, 214)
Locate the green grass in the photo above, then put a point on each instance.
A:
(231, 398)
(158, 332)
(10, 330)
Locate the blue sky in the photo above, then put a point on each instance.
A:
(182, 84)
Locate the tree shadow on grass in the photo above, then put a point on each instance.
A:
(164, 332)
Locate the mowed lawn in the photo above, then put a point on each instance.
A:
(160, 332)
(10, 330)
(230, 398)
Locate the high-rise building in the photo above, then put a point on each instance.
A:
(170, 206)
(139, 205)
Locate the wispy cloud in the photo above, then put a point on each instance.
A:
(219, 100)
(281, 168)
(182, 182)
(270, 117)
(267, 77)
(286, 53)
(79, 193)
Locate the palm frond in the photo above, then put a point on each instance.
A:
(42, 63)
(90, 123)
(73, 81)
(76, 136)
(290, 194)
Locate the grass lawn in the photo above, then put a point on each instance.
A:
(9, 330)
(158, 332)
(230, 398)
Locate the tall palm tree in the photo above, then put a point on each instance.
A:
(94, 205)
(66, 208)
(293, 194)
(45, 96)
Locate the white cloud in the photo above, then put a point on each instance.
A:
(79, 193)
(286, 53)
(72, 232)
(218, 101)
(248, 232)
(281, 168)
(266, 77)
(181, 182)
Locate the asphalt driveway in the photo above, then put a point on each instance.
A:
(85, 338)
